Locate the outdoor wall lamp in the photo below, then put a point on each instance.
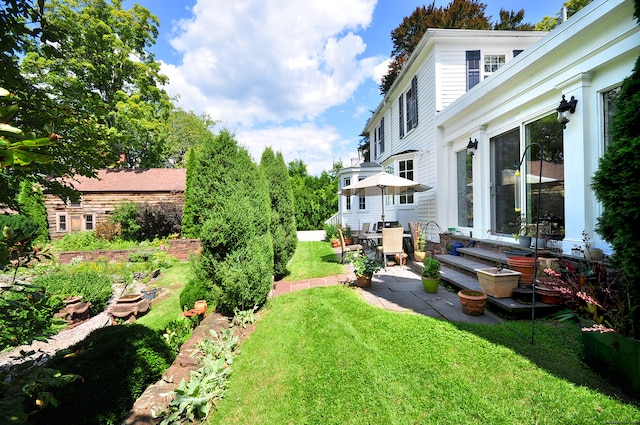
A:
(564, 109)
(472, 146)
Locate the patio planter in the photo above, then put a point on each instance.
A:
(472, 302)
(430, 285)
(363, 281)
(615, 356)
(498, 283)
(523, 265)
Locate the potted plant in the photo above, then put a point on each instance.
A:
(431, 275)
(346, 233)
(364, 267)
(421, 244)
(331, 230)
(472, 301)
(524, 233)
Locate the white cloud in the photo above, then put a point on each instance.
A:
(252, 61)
(317, 147)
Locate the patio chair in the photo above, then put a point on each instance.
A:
(391, 243)
(360, 235)
(347, 248)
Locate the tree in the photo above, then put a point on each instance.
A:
(510, 20)
(616, 186)
(31, 201)
(283, 223)
(83, 69)
(316, 198)
(547, 23)
(468, 14)
(229, 203)
(186, 130)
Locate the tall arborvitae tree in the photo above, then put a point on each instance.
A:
(283, 222)
(31, 203)
(616, 186)
(229, 202)
(194, 198)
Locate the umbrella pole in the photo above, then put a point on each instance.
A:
(382, 190)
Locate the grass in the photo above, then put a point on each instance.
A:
(326, 356)
(313, 259)
(167, 307)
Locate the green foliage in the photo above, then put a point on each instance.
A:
(26, 314)
(93, 286)
(467, 14)
(86, 241)
(283, 225)
(229, 202)
(107, 230)
(178, 331)
(431, 268)
(31, 201)
(616, 186)
(26, 382)
(22, 225)
(364, 265)
(186, 131)
(194, 399)
(195, 289)
(331, 230)
(117, 363)
(315, 197)
(126, 215)
(243, 318)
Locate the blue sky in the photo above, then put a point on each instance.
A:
(298, 75)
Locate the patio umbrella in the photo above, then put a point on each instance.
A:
(381, 182)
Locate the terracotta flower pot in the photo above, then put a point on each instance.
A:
(363, 281)
(523, 265)
(472, 302)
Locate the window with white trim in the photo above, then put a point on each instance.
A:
(62, 222)
(88, 222)
(380, 139)
(405, 169)
(347, 205)
(362, 202)
(492, 63)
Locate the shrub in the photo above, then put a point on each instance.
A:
(283, 225)
(158, 220)
(21, 225)
(94, 287)
(178, 331)
(194, 290)
(126, 215)
(26, 314)
(31, 201)
(228, 202)
(108, 230)
(117, 363)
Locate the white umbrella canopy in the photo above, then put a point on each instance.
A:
(382, 184)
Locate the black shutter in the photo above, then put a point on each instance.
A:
(401, 115)
(414, 99)
(382, 135)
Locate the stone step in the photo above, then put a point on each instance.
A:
(459, 272)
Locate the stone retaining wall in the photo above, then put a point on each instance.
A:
(179, 248)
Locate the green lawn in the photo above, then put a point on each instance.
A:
(313, 259)
(167, 306)
(325, 356)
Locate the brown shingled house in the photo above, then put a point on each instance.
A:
(99, 196)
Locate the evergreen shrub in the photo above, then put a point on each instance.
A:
(93, 286)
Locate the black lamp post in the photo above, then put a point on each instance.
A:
(517, 189)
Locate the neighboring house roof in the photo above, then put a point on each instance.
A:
(133, 180)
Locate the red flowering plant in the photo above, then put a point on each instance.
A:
(593, 291)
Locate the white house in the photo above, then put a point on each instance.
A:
(586, 58)
(445, 64)
(426, 139)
